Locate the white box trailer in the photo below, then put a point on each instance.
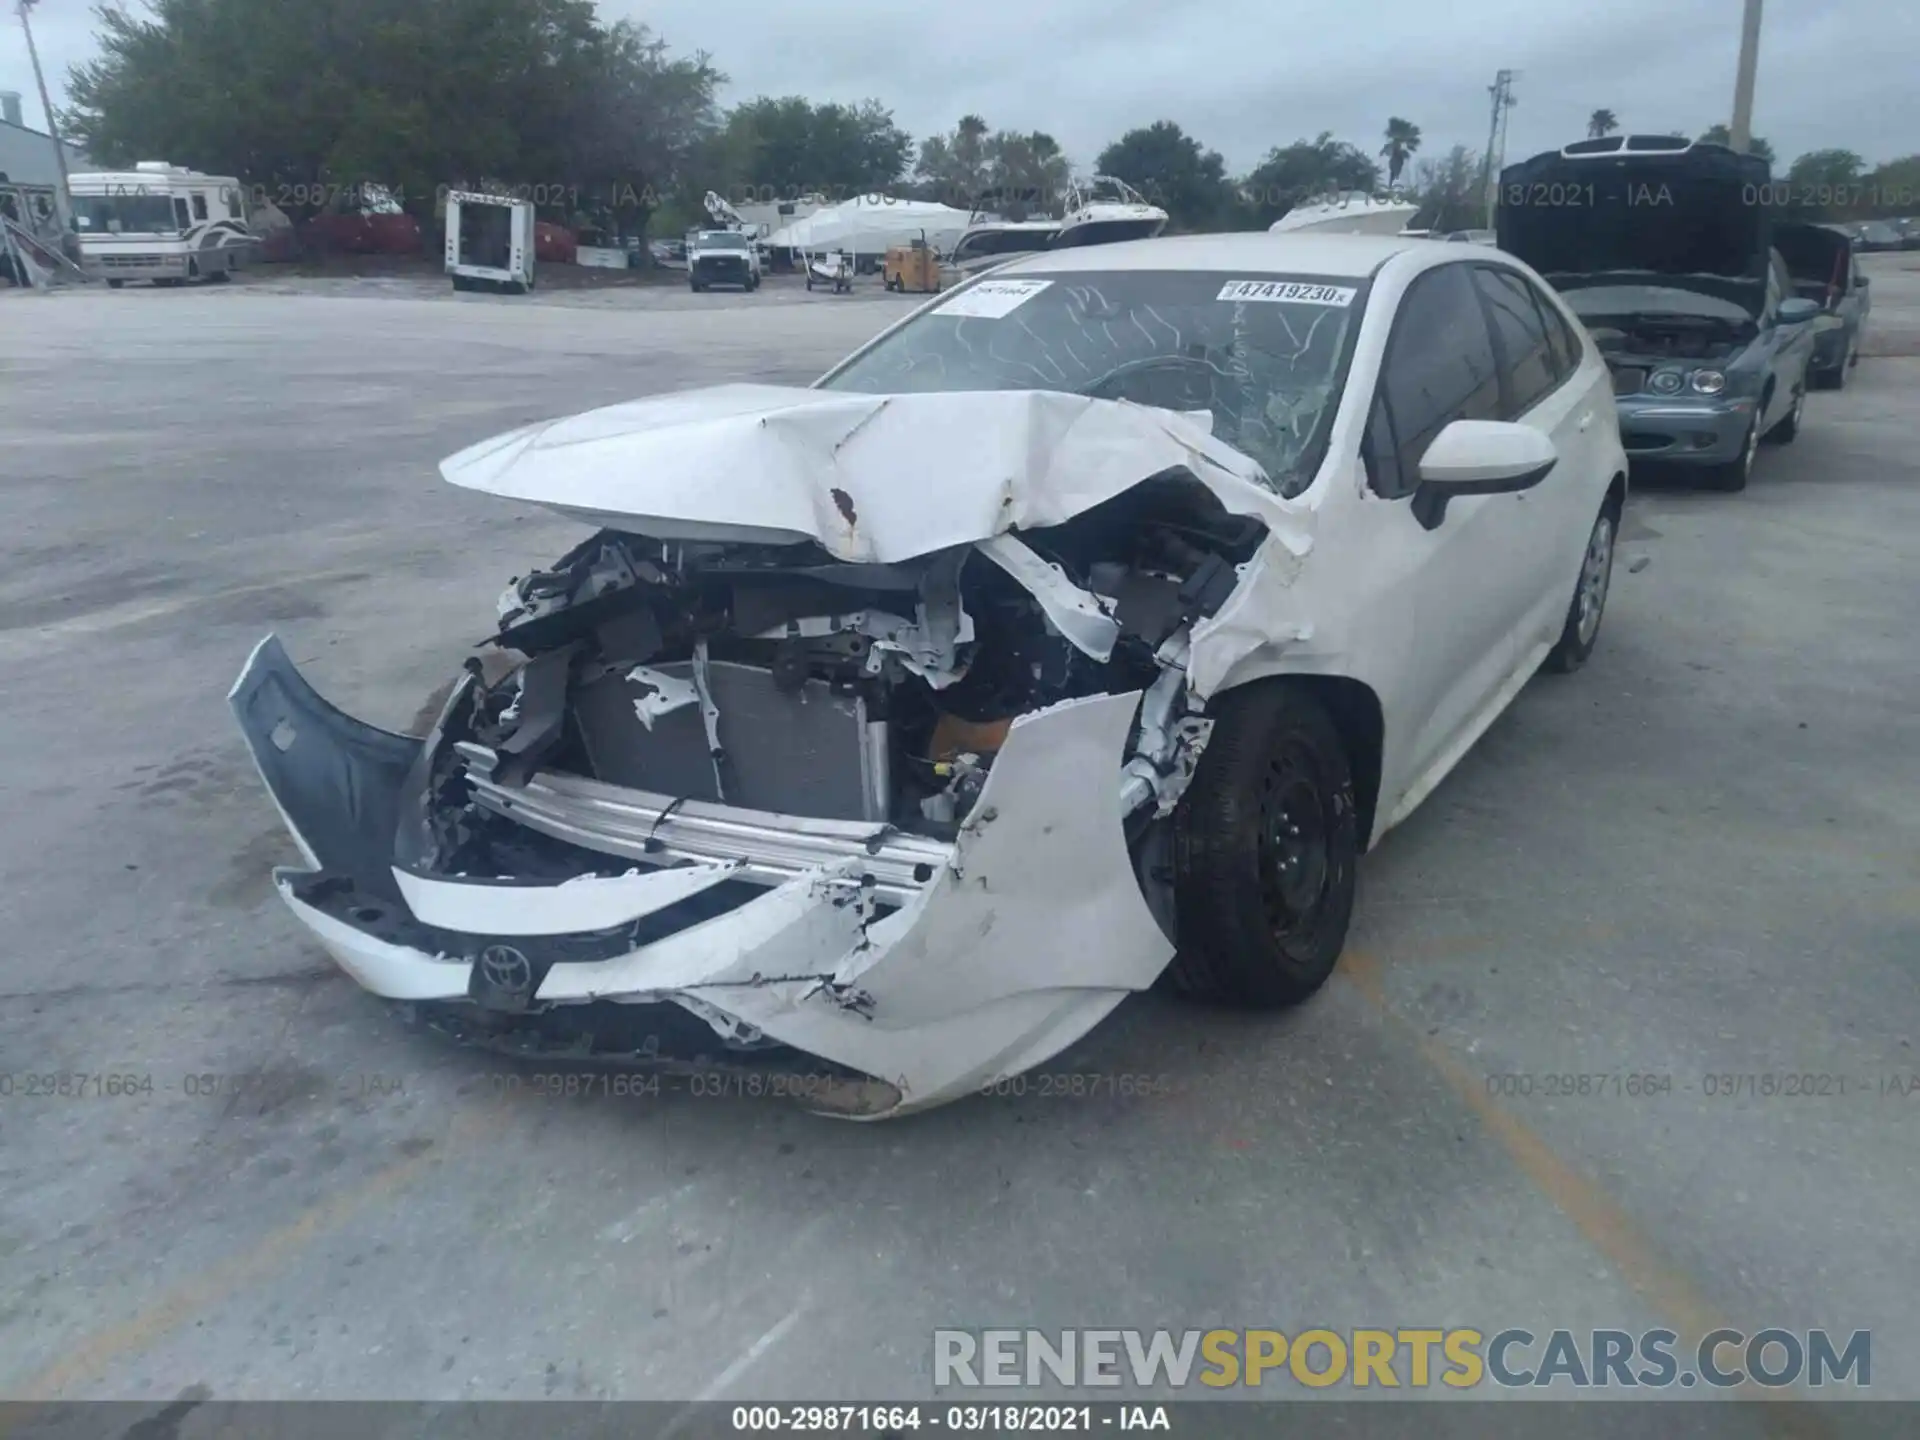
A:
(489, 242)
(161, 222)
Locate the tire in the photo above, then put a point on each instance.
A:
(1589, 604)
(115, 284)
(1265, 843)
(1789, 426)
(1732, 476)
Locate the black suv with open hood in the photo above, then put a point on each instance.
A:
(1663, 247)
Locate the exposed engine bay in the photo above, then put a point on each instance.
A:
(872, 756)
(778, 678)
(1651, 339)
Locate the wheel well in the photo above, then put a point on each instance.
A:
(1355, 712)
(1616, 500)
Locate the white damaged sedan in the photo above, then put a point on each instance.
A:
(887, 733)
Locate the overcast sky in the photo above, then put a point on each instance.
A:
(1245, 75)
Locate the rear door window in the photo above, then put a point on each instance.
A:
(1562, 338)
(1527, 369)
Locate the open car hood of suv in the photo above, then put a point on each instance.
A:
(871, 478)
(1683, 214)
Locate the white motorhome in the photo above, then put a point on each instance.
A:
(161, 222)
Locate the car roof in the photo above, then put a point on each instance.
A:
(1344, 256)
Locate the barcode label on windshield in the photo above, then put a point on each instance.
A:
(992, 299)
(1288, 292)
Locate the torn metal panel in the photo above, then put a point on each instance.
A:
(918, 473)
(1263, 614)
(1077, 614)
(926, 647)
(1041, 864)
(665, 694)
(1032, 934)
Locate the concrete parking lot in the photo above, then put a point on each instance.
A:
(1699, 857)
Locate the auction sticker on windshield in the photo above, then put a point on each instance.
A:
(1290, 292)
(991, 299)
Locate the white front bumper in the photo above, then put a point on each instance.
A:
(1021, 936)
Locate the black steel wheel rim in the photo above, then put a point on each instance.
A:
(1295, 833)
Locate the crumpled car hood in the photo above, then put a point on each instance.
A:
(871, 478)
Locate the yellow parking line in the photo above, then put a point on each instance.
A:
(1595, 1214)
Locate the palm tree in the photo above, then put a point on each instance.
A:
(1403, 138)
(1602, 122)
(1717, 134)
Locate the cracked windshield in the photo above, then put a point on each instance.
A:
(1262, 359)
(735, 718)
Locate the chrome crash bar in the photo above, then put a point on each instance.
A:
(641, 825)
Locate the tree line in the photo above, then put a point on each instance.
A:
(409, 96)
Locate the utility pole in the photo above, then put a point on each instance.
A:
(1502, 92)
(61, 205)
(1740, 133)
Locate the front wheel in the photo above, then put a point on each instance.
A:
(1264, 846)
(1789, 427)
(1582, 628)
(1734, 474)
